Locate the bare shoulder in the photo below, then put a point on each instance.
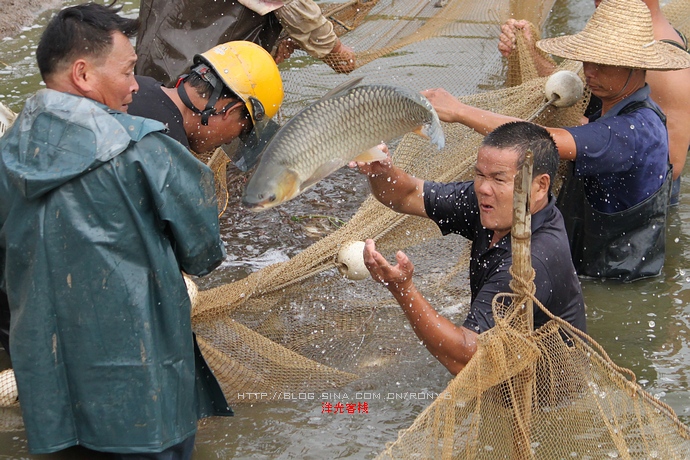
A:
(671, 89)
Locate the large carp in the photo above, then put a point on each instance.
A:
(345, 125)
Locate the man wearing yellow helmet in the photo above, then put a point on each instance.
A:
(232, 90)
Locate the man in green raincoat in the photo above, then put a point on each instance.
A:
(100, 213)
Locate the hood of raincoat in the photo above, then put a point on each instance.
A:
(60, 136)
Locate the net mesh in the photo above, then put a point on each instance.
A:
(301, 326)
(523, 387)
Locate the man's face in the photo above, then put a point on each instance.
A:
(113, 75)
(495, 172)
(222, 128)
(605, 80)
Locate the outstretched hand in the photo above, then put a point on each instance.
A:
(284, 49)
(397, 278)
(508, 37)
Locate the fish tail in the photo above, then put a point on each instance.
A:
(434, 131)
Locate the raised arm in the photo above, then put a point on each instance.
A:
(451, 110)
(393, 187)
(312, 32)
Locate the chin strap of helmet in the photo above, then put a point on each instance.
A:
(207, 75)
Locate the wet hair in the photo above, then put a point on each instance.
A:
(523, 136)
(80, 31)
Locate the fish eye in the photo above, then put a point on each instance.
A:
(272, 198)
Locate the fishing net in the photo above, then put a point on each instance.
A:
(530, 387)
(301, 326)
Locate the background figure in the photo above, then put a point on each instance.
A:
(172, 33)
(481, 211)
(233, 90)
(671, 90)
(100, 213)
(615, 197)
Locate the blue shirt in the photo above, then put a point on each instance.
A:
(455, 209)
(622, 159)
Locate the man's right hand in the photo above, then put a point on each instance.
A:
(342, 58)
(375, 168)
(284, 49)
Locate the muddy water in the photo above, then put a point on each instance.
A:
(643, 326)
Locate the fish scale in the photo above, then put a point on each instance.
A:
(333, 131)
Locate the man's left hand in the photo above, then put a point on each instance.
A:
(342, 58)
(397, 278)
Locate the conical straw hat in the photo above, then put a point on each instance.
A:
(619, 33)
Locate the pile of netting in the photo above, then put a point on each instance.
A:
(531, 394)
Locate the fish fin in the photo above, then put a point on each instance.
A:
(421, 131)
(342, 88)
(371, 155)
(291, 185)
(322, 171)
(433, 132)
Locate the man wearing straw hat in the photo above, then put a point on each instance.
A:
(615, 197)
(671, 90)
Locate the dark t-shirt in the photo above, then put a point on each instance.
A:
(455, 209)
(151, 102)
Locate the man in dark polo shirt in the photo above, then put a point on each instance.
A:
(481, 211)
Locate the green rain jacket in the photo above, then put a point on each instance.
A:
(100, 212)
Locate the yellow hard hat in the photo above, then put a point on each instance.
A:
(251, 73)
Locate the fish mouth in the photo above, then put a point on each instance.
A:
(257, 206)
(254, 207)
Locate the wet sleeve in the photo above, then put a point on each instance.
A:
(184, 193)
(604, 146)
(481, 317)
(452, 206)
(305, 23)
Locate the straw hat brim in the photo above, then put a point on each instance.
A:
(655, 55)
